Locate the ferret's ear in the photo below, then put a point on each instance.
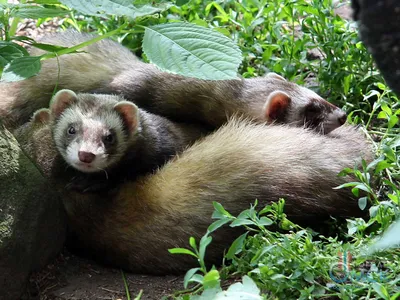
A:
(41, 116)
(276, 107)
(62, 100)
(129, 113)
(273, 75)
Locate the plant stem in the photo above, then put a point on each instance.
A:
(139, 295)
(15, 22)
(84, 44)
(128, 295)
(13, 27)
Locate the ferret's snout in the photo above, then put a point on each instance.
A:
(86, 157)
(342, 117)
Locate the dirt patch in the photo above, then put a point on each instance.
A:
(74, 278)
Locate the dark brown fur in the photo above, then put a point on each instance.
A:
(237, 164)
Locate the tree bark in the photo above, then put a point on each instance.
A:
(379, 24)
(32, 219)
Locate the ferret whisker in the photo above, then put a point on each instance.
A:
(304, 122)
(67, 167)
(105, 171)
(115, 155)
(322, 128)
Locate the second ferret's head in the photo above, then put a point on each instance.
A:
(295, 105)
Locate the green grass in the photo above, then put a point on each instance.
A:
(279, 36)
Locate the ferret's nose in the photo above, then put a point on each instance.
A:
(342, 118)
(86, 157)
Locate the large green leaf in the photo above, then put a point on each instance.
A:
(21, 68)
(36, 12)
(10, 51)
(115, 7)
(192, 50)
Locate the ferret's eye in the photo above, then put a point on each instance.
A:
(71, 130)
(312, 110)
(109, 139)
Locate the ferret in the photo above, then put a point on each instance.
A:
(107, 135)
(108, 67)
(242, 161)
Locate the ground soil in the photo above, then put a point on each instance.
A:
(75, 278)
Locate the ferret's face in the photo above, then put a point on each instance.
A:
(307, 109)
(90, 142)
(295, 105)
